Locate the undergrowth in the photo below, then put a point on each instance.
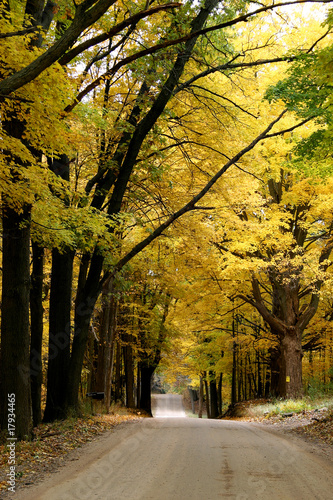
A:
(277, 407)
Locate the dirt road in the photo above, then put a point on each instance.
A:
(167, 406)
(190, 459)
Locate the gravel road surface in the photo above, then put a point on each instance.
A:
(171, 457)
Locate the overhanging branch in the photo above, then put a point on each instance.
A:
(191, 205)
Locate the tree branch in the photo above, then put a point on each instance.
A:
(84, 17)
(31, 29)
(87, 13)
(190, 205)
(133, 20)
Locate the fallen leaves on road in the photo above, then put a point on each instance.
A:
(315, 424)
(51, 445)
(321, 429)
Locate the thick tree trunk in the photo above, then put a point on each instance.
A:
(87, 294)
(146, 373)
(59, 334)
(290, 381)
(81, 334)
(15, 334)
(36, 311)
(104, 345)
(110, 353)
(117, 381)
(214, 412)
(274, 365)
(59, 317)
(129, 373)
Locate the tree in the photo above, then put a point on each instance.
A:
(119, 160)
(18, 124)
(286, 266)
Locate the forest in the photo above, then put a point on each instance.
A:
(166, 202)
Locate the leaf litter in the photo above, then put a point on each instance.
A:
(51, 445)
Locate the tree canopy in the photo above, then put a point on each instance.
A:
(168, 167)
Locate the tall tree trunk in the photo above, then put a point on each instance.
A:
(59, 316)
(200, 397)
(129, 372)
(138, 385)
(214, 412)
(291, 365)
(59, 334)
(110, 354)
(86, 297)
(260, 387)
(219, 394)
(207, 395)
(146, 373)
(117, 382)
(267, 383)
(234, 372)
(104, 341)
(274, 365)
(16, 262)
(36, 311)
(81, 334)
(15, 334)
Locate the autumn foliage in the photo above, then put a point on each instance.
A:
(166, 202)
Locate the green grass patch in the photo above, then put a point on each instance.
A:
(278, 407)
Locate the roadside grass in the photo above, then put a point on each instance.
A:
(279, 407)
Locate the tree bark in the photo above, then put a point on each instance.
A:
(15, 334)
(59, 335)
(146, 373)
(118, 381)
(112, 336)
(207, 395)
(214, 413)
(87, 293)
(200, 398)
(274, 367)
(291, 386)
(59, 317)
(104, 344)
(129, 372)
(36, 312)
(219, 394)
(86, 14)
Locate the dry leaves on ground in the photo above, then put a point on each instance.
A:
(51, 445)
(321, 430)
(316, 424)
